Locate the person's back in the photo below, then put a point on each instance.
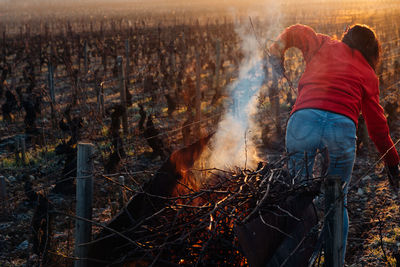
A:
(336, 77)
(332, 80)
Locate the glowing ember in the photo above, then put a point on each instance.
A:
(211, 222)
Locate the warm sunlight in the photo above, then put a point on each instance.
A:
(199, 133)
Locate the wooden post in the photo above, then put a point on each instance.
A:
(85, 57)
(46, 31)
(122, 90)
(4, 47)
(69, 29)
(127, 68)
(40, 53)
(173, 59)
(218, 63)
(21, 32)
(97, 87)
(84, 196)
(3, 194)
(52, 92)
(50, 77)
(334, 222)
(104, 62)
(198, 94)
(159, 34)
(102, 99)
(79, 57)
(27, 31)
(130, 32)
(173, 69)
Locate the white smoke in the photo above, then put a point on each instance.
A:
(232, 145)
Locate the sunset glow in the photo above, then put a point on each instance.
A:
(156, 132)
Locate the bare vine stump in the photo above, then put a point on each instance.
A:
(122, 84)
(23, 150)
(127, 68)
(85, 54)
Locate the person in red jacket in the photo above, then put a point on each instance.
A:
(339, 83)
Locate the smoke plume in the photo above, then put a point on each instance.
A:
(233, 143)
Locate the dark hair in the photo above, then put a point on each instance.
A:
(363, 38)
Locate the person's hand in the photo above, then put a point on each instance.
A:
(394, 177)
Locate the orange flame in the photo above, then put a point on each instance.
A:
(184, 160)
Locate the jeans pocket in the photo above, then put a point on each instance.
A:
(299, 128)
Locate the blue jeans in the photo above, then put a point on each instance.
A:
(312, 130)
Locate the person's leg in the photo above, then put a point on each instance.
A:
(303, 136)
(340, 139)
(310, 130)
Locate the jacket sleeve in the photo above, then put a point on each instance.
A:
(377, 126)
(304, 38)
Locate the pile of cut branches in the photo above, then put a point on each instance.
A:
(200, 228)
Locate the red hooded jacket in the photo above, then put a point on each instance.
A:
(339, 79)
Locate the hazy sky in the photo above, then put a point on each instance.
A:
(28, 9)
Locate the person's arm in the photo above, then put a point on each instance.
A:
(378, 131)
(301, 36)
